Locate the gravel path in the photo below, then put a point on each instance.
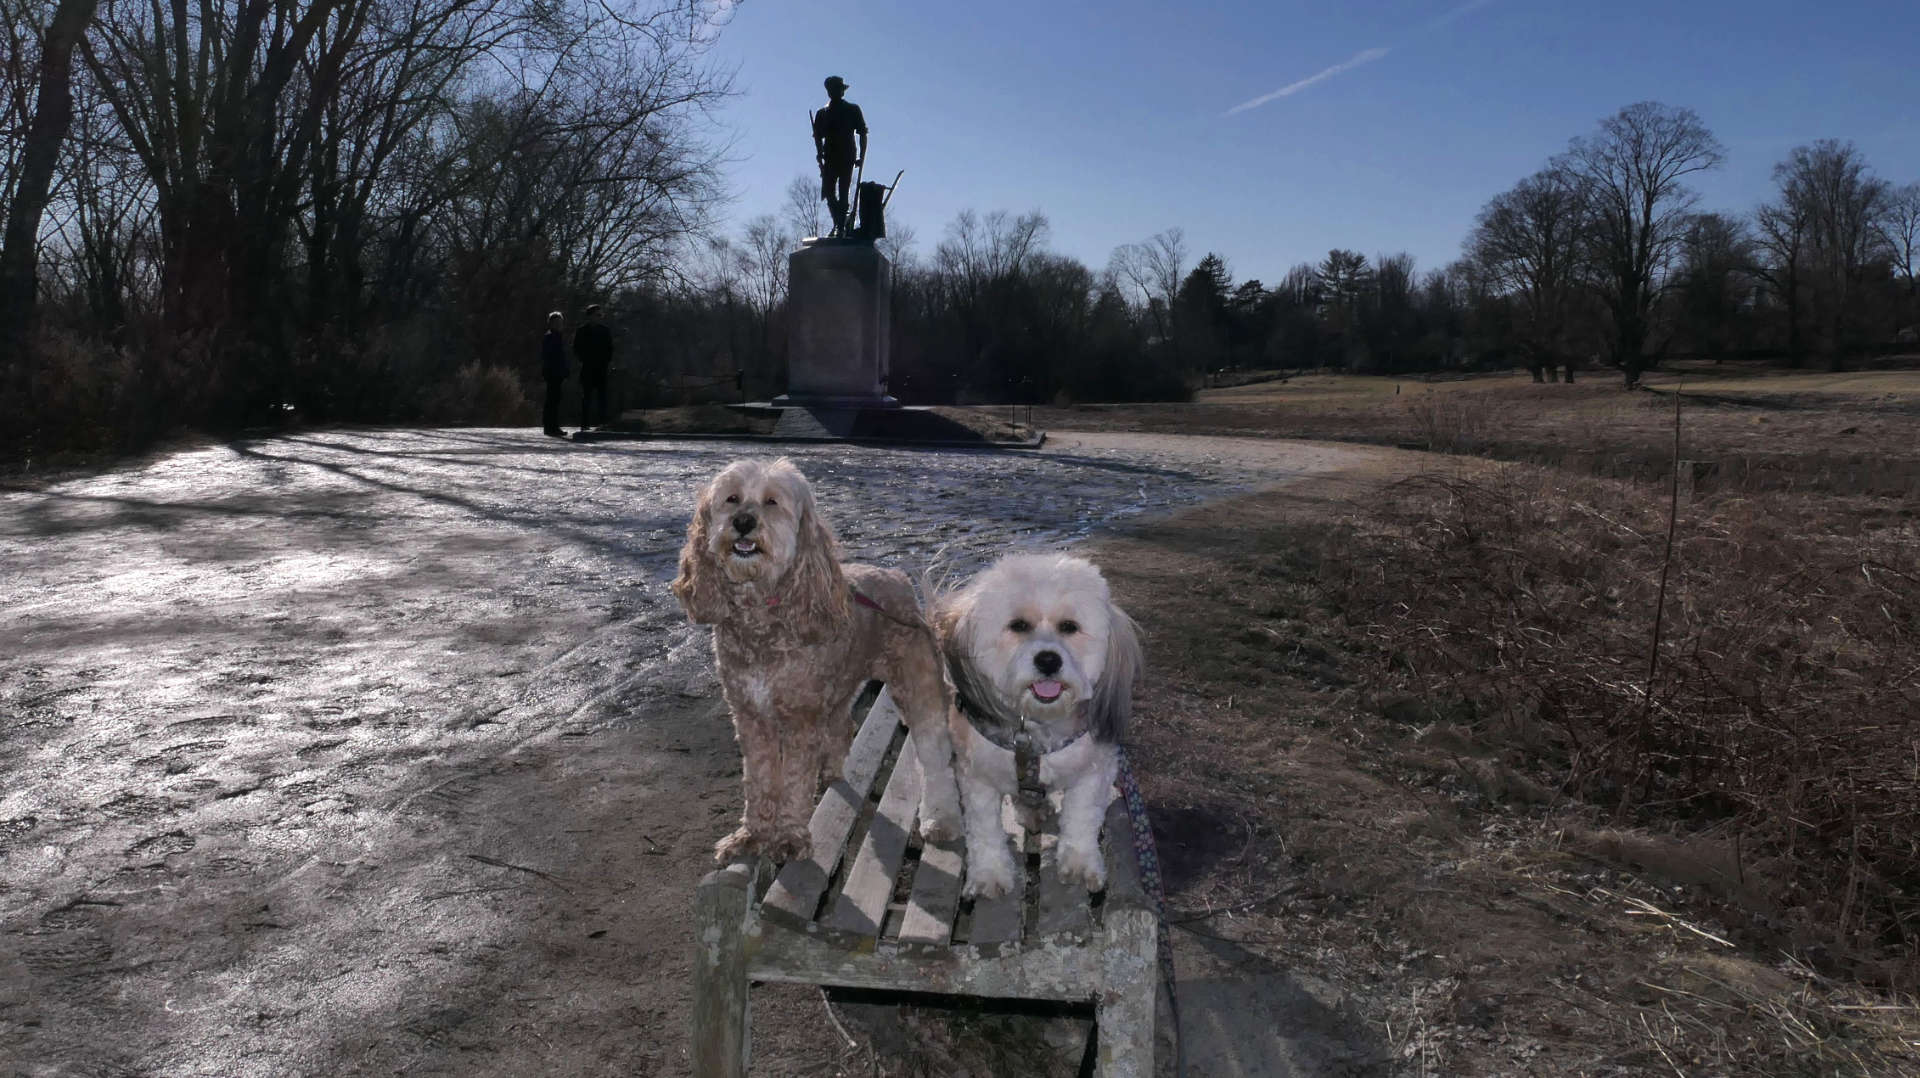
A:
(349, 752)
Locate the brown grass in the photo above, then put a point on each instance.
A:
(1785, 709)
(1345, 747)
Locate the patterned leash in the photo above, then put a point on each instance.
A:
(1148, 856)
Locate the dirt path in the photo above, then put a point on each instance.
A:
(387, 752)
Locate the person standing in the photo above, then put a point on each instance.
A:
(593, 347)
(835, 129)
(553, 367)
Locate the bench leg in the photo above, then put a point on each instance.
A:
(720, 1017)
(1124, 1012)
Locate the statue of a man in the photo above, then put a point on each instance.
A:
(834, 146)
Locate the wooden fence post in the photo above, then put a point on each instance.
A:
(721, 1025)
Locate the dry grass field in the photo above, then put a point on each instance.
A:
(1387, 747)
(1758, 429)
(1577, 798)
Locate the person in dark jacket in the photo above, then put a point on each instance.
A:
(593, 347)
(553, 367)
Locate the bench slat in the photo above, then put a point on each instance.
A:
(1059, 973)
(998, 920)
(862, 905)
(936, 893)
(1124, 889)
(796, 891)
(1063, 906)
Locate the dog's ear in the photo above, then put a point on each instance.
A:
(817, 586)
(698, 587)
(1112, 702)
(949, 618)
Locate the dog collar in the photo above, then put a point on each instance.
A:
(1027, 740)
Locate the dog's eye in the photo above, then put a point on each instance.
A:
(1020, 625)
(733, 499)
(770, 501)
(1069, 627)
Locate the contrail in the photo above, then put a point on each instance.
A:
(1365, 56)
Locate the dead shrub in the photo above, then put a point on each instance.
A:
(481, 395)
(90, 397)
(1450, 422)
(1784, 708)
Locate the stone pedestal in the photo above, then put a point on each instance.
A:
(838, 296)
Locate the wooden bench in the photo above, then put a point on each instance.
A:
(875, 908)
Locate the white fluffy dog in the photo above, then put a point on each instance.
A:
(1041, 657)
(796, 635)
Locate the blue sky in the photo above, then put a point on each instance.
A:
(1274, 131)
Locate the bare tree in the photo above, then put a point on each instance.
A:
(219, 106)
(803, 205)
(39, 150)
(1630, 176)
(762, 254)
(1780, 238)
(1713, 280)
(1842, 204)
(1152, 271)
(981, 249)
(898, 246)
(1526, 243)
(1900, 232)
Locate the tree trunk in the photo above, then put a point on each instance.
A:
(52, 116)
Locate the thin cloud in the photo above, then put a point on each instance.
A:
(1458, 13)
(1364, 56)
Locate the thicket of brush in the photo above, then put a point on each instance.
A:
(1782, 715)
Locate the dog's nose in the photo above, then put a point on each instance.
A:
(744, 522)
(1047, 662)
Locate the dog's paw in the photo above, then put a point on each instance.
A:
(1083, 867)
(989, 877)
(741, 843)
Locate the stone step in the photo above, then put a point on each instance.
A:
(815, 423)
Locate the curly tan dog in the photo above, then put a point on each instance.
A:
(796, 635)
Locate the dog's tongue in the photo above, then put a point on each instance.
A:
(1046, 690)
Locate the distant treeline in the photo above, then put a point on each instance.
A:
(218, 215)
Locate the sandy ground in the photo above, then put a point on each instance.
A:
(389, 752)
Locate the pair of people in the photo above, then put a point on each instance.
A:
(593, 347)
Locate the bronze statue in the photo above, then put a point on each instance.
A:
(836, 149)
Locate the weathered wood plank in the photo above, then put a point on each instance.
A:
(936, 892)
(1042, 971)
(796, 891)
(721, 1036)
(1125, 1010)
(1062, 907)
(998, 920)
(862, 905)
(1124, 889)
